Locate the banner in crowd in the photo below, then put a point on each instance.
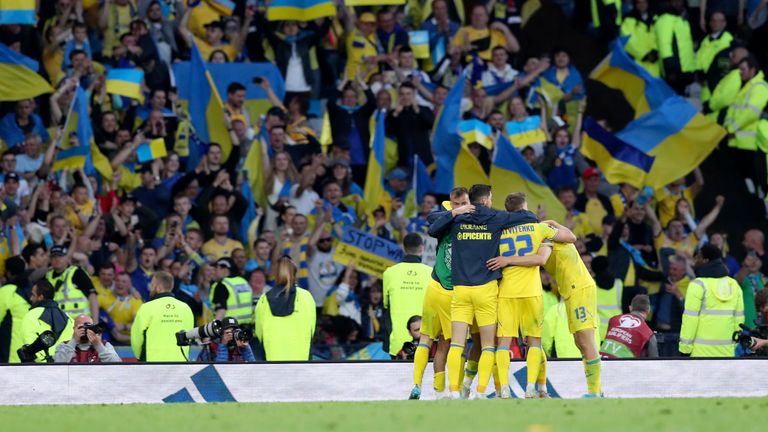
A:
(300, 10)
(374, 193)
(18, 76)
(126, 82)
(17, 12)
(354, 381)
(371, 254)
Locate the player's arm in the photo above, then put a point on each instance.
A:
(538, 259)
(441, 222)
(564, 235)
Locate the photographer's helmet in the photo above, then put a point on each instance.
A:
(229, 322)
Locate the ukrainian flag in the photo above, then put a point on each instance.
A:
(18, 77)
(376, 3)
(17, 12)
(528, 132)
(511, 173)
(126, 82)
(205, 107)
(254, 173)
(619, 71)
(224, 7)
(421, 184)
(456, 166)
(419, 41)
(87, 153)
(300, 10)
(152, 150)
(659, 147)
(550, 92)
(374, 194)
(248, 235)
(476, 131)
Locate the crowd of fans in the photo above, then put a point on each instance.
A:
(108, 236)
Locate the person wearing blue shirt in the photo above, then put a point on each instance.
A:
(419, 223)
(31, 160)
(16, 125)
(389, 33)
(564, 75)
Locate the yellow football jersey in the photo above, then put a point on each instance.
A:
(569, 271)
(523, 240)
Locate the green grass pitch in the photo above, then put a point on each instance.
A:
(620, 415)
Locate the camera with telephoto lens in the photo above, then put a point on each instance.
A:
(210, 330)
(242, 335)
(28, 353)
(746, 339)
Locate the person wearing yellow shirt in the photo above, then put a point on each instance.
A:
(79, 208)
(521, 304)
(666, 198)
(363, 47)
(621, 199)
(220, 246)
(592, 203)
(114, 21)
(104, 283)
(214, 36)
(675, 236)
(575, 220)
(121, 306)
(480, 38)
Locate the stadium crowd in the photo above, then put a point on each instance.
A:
(109, 236)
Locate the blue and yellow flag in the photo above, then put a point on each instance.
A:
(152, 150)
(253, 170)
(206, 109)
(511, 173)
(300, 10)
(79, 124)
(374, 194)
(476, 131)
(456, 165)
(619, 71)
(126, 82)
(224, 7)
(17, 12)
(374, 2)
(661, 146)
(421, 184)
(527, 132)
(18, 76)
(419, 41)
(247, 235)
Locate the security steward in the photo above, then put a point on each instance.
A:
(714, 308)
(45, 315)
(405, 285)
(231, 296)
(13, 306)
(153, 334)
(75, 293)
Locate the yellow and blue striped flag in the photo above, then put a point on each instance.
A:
(456, 165)
(152, 150)
(476, 131)
(224, 7)
(18, 76)
(126, 82)
(419, 41)
(79, 124)
(661, 146)
(421, 184)
(253, 169)
(619, 71)
(375, 2)
(206, 109)
(527, 132)
(17, 12)
(511, 173)
(374, 194)
(300, 10)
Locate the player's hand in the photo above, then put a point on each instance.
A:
(469, 208)
(496, 263)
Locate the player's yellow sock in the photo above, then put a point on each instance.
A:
(502, 364)
(454, 366)
(542, 379)
(439, 381)
(592, 372)
(420, 360)
(461, 369)
(496, 379)
(533, 361)
(484, 367)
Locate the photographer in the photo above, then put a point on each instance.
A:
(45, 315)
(233, 349)
(86, 345)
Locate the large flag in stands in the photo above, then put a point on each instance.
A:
(456, 166)
(300, 10)
(511, 173)
(374, 194)
(665, 141)
(17, 12)
(126, 82)
(18, 76)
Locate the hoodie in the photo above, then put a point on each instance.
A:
(281, 304)
(712, 269)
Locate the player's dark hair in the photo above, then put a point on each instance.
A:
(479, 191)
(459, 192)
(641, 303)
(411, 243)
(515, 201)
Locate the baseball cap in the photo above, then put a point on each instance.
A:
(11, 176)
(367, 17)
(225, 262)
(58, 250)
(398, 174)
(8, 209)
(229, 322)
(590, 172)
